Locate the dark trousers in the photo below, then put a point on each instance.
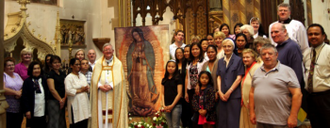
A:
(319, 109)
(36, 122)
(80, 124)
(186, 114)
(191, 93)
(14, 120)
(56, 116)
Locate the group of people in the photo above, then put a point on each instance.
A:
(247, 80)
(225, 80)
(35, 90)
(43, 92)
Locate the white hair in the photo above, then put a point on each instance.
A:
(107, 44)
(249, 28)
(231, 42)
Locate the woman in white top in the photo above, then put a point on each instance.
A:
(76, 88)
(194, 67)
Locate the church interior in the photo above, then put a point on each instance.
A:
(39, 25)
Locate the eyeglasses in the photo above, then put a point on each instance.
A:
(108, 50)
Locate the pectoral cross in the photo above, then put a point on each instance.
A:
(108, 72)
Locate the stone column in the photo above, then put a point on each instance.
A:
(215, 5)
(3, 103)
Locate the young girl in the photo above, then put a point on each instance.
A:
(171, 92)
(204, 103)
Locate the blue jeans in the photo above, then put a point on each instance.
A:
(173, 118)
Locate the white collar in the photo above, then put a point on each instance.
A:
(108, 61)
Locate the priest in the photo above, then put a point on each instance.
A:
(296, 30)
(108, 92)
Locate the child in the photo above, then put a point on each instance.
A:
(85, 70)
(171, 92)
(204, 103)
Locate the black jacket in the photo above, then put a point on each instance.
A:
(28, 95)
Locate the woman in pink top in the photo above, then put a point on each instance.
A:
(225, 29)
(21, 68)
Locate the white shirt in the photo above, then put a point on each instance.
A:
(206, 58)
(39, 101)
(220, 54)
(199, 67)
(321, 77)
(79, 102)
(296, 31)
(173, 47)
(228, 59)
(91, 64)
(257, 34)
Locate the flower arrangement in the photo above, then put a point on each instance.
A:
(158, 121)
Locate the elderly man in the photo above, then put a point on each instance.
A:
(91, 57)
(289, 52)
(296, 29)
(317, 64)
(274, 90)
(178, 43)
(108, 92)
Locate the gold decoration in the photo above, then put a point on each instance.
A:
(13, 30)
(23, 4)
(225, 4)
(242, 12)
(17, 27)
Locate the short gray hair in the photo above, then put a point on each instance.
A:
(284, 5)
(249, 28)
(107, 44)
(268, 46)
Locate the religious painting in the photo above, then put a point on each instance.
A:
(72, 33)
(143, 52)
